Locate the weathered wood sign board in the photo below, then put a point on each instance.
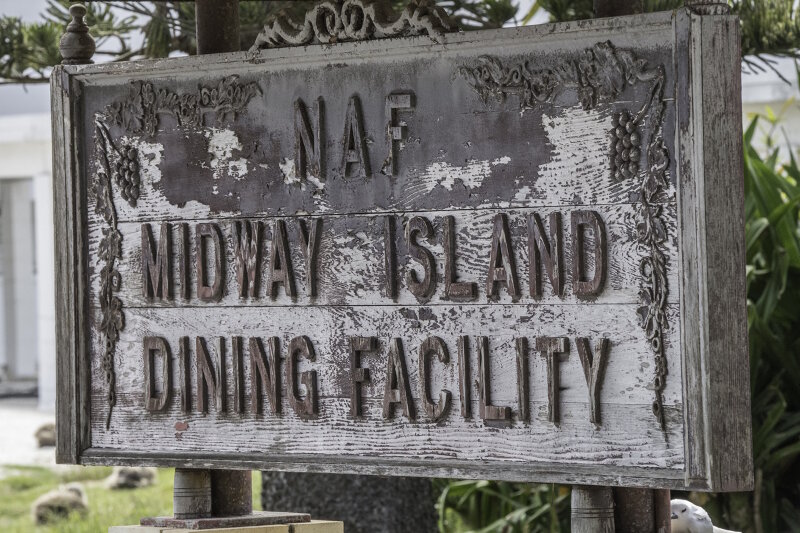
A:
(511, 254)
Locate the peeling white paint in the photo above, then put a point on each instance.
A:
(523, 194)
(221, 144)
(290, 176)
(319, 184)
(150, 195)
(289, 172)
(470, 176)
(579, 140)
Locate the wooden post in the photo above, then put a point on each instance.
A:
(191, 493)
(592, 510)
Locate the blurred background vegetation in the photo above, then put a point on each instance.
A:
(28, 50)
(770, 28)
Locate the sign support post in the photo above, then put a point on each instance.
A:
(217, 27)
(636, 510)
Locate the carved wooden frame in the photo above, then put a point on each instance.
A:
(714, 337)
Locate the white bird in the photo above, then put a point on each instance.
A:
(689, 518)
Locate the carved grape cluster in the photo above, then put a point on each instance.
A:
(126, 174)
(625, 146)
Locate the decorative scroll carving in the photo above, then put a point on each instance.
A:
(140, 111)
(651, 231)
(119, 163)
(601, 74)
(334, 21)
(109, 251)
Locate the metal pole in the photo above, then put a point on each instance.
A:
(617, 8)
(231, 492)
(217, 23)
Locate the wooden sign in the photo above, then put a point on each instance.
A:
(512, 254)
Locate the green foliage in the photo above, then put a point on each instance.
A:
(500, 507)
(562, 10)
(768, 26)
(480, 14)
(28, 50)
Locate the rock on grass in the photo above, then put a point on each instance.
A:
(46, 435)
(128, 477)
(58, 504)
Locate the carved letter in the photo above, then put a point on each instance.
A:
(156, 266)
(185, 257)
(355, 144)
(502, 265)
(389, 257)
(550, 252)
(308, 147)
(155, 400)
(358, 375)
(593, 368)
(424, 289)
(595, 223)
(246, 248)
(265, 374)
(238, 375)
(456, 290)
(305, 408)
(523, 391)
(186, 376)
(280, 262)
(395, 131)
(397, 389)
(311, 238)
(464, 385)
(210, 377)
(487, 411)
(436, 346)
(206, 291)
(550, 348)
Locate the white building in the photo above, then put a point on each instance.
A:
(767, 90)
(27, 294)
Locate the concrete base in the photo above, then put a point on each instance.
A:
(314, 526)
(257, 518)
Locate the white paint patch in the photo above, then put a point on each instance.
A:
(313, 180)
(290, 176)
(523, 194)
(579, 140)
(150, 195)
(470, 175)
(289, 172)
(221, 144)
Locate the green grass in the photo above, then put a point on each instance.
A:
(22, 485)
